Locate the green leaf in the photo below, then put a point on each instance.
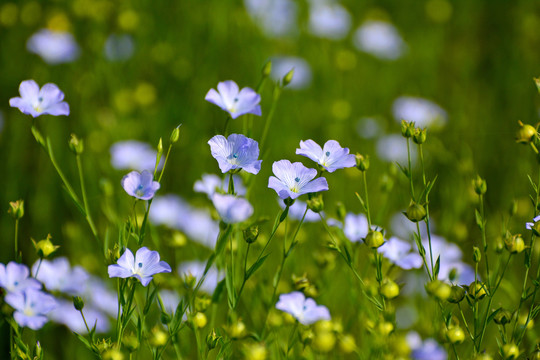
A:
(403, 170)
(492, 316)
(256, 266)
(84, 341)
(361, 202)
(535, 188)
(479, 220)
(216, 296)
(437, 267)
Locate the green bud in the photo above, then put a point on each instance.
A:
(479, 185)
(251, 234)
(452, 275)
(389, 289)
(16, 209)
(514, 244)
(374, 239)
(499, 245)
(212, 339)
(415, 212)
(267, 69)
(477, 255)
(419, 136)
(189, 280)
(76, 145)
(316, 203)
(288, 77)
(341, 211)
(45, 247)
(175, 134)
(476, 290)
(526, 133)
(513, 208)
(483, 356)
(455, 335)
(510, 351)
(457, 294)
(165, 318)
(438, 289)
(160, 147)
(288, 201)
(130, 342)
(362, 162)
(407, 129)
(38, 351)
(503, 317)
(78, 303)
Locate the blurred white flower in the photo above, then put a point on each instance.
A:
(276, 18)
(119, 47)
(422, 112)
(53, 47)
(380, 39)
(330, 21)
(281, 65)
(393, 148)
(133, 155)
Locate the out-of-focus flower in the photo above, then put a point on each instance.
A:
(380, 39)
(66, 314)
(35, 101)
(196, 269)
(14, 277)
(355, 227)
(368, 128)
(31, 306)
(451, 256)
(306, 311)
(428, 349)
(119, 47)
(174, 212)
(60, 276)
(236, 152)
(332, 156)
(422, 112)
(275, 17)
(140, 185)
(393, 148)
(282, 65)
(133, 155)
(399, 253)
(232, 209)
(100, 297)
(404, 228)
(54, 47)
(330, 21)
(170, 300)
(233, 100)
(142, 266)
(293, 180)
(210, 184)
(296, 211)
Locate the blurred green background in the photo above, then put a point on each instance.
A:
(475, 59)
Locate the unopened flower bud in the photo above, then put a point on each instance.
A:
(347, 344)
(374, 239)
(477, 255)
(78, 303)
(456, 295)
(479, 185)
(362, 162)
(514, 244)
(45, 248)
(267, 69)
(453, 274)
(160, 147)
(324, 341)
(255, 351)
(483, 356)
(200, 320)
(526, 133)
(288, 77)
(175, 135)
(385, 328)
(455, 335)
(510, 351)
(251, 234)
(407, 129)
(503, 317)
(76, 145)
(189, 280)
(341, 211)
(499, 245)
(476, 290)
(438, 289)
(212, 339)
(130, 342)
(16, 209)
(419, 136)
(112, 354)
(389, 289)
(316, 203)
(38, 351)
(415, 212)
(237, 330)
(165, 318)
(288, 202)
(158, 337)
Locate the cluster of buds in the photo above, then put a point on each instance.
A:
(408, 130)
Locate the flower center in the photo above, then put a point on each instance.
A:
(140, 265)
(139, 191)
(297, 179)
(328, 153)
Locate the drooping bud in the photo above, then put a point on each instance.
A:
(175, 135)
(407, 129)
(503, 317)
(477, 255)
(479, 185)
(374, 239)
(456, 295)
(251, 234)
(419, 136)
(45, 248)
(16, 209)
(415, 212)
(78, 303)
(362, 162)
(316, 203)
(288, 77)
(526, 133)
(76, 145)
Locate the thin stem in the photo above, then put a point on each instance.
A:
(84, 319)
(16, 240)
(39, 265)
(231, 184)
(423, 254)
(367, 199)
(226, 125)
(275, 98)
(426, 220)
(484, 241)
(85, 200)
(410, 169)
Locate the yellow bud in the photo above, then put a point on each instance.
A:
(112, 354)
(267, 69)
(130, 342)
(476, 290)
(128, 20)
(389, 289)
(158, 337)
(385, 328)
(483, 356)
(324, 341)
(274, 319)
(438, 289)
(237, 330)
(374, 239)
(45, 247)
(16, 209)
(178, 239)
(347, 344)
(510, 351)
(175, 135)
(419, 136)
(457, 294)
(199, 320)
(288, 77)
(455, 335)
(255, 351)
(514, 244)
(526, 133)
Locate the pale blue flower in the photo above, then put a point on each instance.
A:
(210, 184)
(276, 18)
(170, 300)
(380, 39)
(293, 180)
(58, 275)
(422, 112)
(31, 306)
(99, 296)
(66, 314)
(140, 185)
(393, 148)
(54, 47)
(330, 21)
(35, 101)
(451, 258)
(134, 155)
(332, 156)
(401, 253)
(428, 349)
(236, 102)
(14, 278)
(306, 311)
(196, 269)
(142, 266)
(232, 209)
(355, 227)
(530, 225)
(236, 152)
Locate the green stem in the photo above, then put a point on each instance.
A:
(426, 220)
(367, 199)
(85, 200)
(410, 169)
(16, 240)
(84, 319)
(226, 126)
(275, 98)
(231, 184)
